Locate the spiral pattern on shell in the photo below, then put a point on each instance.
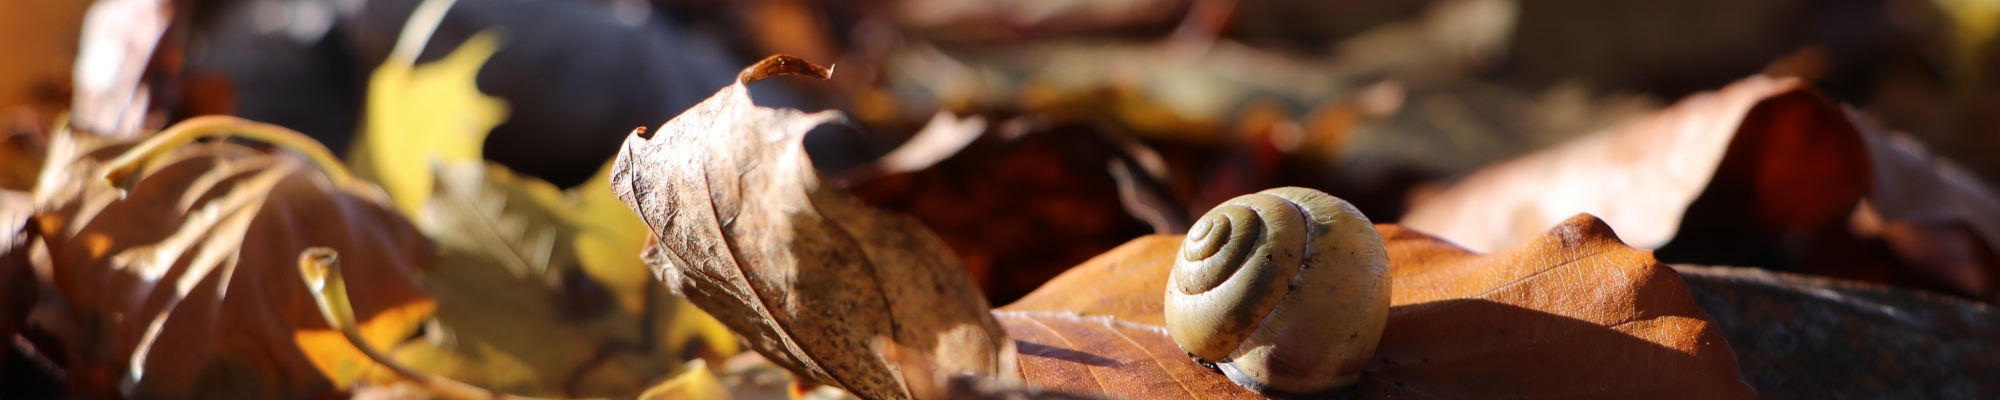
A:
(1286, 290)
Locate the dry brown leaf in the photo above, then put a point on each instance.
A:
(119, 38)
(1764, 172)
(1934, 215)
(187, 283)
(1641, 175)
(1021, 210)
(939, 139)
(1571, 313)
(746, 230)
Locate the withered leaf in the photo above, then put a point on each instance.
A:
(695, 382)
(1764, 172)
(1022, 208)
(187, 283)
(746, 230)
(1640, 176)
(1570, 313)
(119, 38)
(939, 139)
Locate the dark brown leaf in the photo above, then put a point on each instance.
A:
(187, 284)
(1021, 210)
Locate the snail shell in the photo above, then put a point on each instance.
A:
(1285, 290)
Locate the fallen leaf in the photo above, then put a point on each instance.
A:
(608, 239)
(1764, 172)
(1103, 356)
(694, 383)
(746, 230)
(421, 114)
(186, 277)
(521, 310)
(939, 139)
(1021, 210)
(1938, 219)
(1640, 175)
(1803, 336)
(119, 38)
(1571, 313)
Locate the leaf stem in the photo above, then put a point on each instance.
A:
(122, 171)
(320, 268)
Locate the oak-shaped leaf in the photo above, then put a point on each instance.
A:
(748, 231)
(184, 276)
(1573, 312)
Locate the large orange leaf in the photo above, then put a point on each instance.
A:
(186, 283)
(1573, 312)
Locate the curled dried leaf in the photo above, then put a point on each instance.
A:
(747, 230)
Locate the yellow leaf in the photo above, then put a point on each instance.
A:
(340, 362)
(420, 114)
(523, 310)
(697, 383)
(609, 238)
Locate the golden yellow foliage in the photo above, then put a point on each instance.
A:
(418, 115)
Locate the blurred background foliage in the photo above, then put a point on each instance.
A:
(1104, 119)
(1375, 102)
